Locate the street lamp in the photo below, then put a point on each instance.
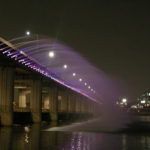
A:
(28, 33)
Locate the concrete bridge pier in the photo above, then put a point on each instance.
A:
(88, 106)
(69, 102)
(71, 105)
(64, 100)
(53, 97)
(94, 109)
(82, 104)
(36, 100)
(73, 102)
(78, 104)
(6, 138)
(6, 95)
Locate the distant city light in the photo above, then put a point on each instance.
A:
(143, 102)
(28, 33)
(74, 74)
(65, 66)
(124, 100)
(80, 79)
(134, 106)
(51, 54)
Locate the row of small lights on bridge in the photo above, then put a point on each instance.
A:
(65, 66)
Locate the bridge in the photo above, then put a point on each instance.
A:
(28, 91)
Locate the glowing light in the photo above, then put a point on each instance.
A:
(20, 87)
(134, 106)
(21, 52)
(28, 33)
(85, 84)
(51, 54)
(149, 94)
(65, 66)
(80, 80)
(143, 102)
(89, 87)
(74, 74)
(124, 100)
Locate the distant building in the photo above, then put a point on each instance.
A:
(144, 100)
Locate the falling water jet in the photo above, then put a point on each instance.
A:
(39, 50)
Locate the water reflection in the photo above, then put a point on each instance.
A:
(33, 138)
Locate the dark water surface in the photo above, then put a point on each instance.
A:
(59, 138)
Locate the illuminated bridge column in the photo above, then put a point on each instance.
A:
(78, 104)
(93, 109)
(72, 105)
(72, 100)
(64, 101)
(36, 100)
(53, 97)
(75, 103)
(89, 107)
(84, 103)
(69, 102)
(6, 95)
(81, 104)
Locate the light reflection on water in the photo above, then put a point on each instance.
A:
(35, 139)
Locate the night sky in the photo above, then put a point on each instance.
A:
(114, 36)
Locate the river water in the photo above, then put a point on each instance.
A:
(86, 135)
